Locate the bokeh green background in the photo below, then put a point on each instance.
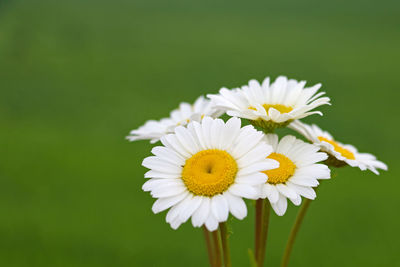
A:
(76, 76)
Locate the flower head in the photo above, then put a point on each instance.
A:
(271, 105)
(153, 130)
(297, 173)
(339, 154)
(204, 170)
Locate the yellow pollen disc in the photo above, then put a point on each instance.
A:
(209, 172)
(278, 107)
(343, 151)
(282, 174)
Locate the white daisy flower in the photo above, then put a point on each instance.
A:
(339, 154)
(153, 130)
(297, 173)
(270, 106)
(203, 171)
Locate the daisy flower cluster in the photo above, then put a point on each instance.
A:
(205, 168)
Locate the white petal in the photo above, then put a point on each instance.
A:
(260, 152)
(285, 144)
(211, 223)
(186, 139)
(258, 178)
(198, 132)
(155, 163)
(296, 201)
(168, 191)
(319, 171)
(248, 138)
(299, 180)
(272, 139)
(156, 174)
(206, 125)
(200, 216)
(168, 155)
(286, 191)
(162, 204)
(266, 164)
(173, 213)
(236, 206)
(230, 132)
(280, 206)
(216, 133)
(172, 142)
(313, 158)
(220, 208)
(153, 184)
(192, 206)
(271, 192)
(243, 190)
(304, 191)
(176, 223)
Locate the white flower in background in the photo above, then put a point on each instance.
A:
(204, 170)
(339, 154)
(271, 105)
(153, 130)
(297, 173)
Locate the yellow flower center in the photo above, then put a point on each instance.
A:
(282, 174)
(343, 151)
(278, 107)
(209, 172)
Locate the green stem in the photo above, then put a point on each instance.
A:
(225, 244)
(294, 231)
(217, 248)
(209, 244)
(252, 258)
(258, 227)
(264, 236)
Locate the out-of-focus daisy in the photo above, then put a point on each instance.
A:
(270, 106)
(153, 130)
(297, 173)
(339, 154)
(204, 170)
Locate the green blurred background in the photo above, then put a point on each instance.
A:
(77, 76)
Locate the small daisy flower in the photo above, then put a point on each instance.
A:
(271, 106)
(153, 130)
(297, 173)
(203, 171)
(339, 154)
